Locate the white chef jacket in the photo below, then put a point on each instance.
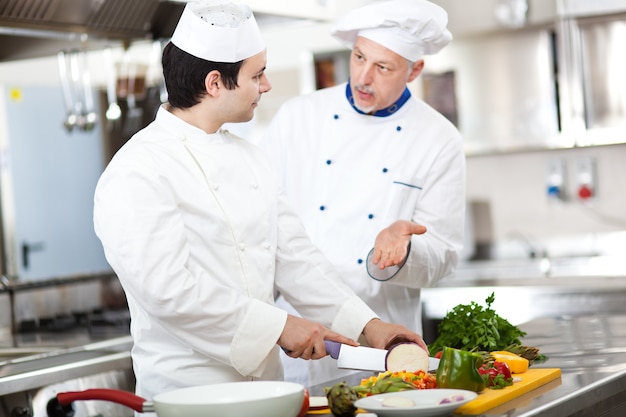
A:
(350, 175)
(195, 228)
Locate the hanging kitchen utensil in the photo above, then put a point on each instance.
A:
(77, 89)
(245, 398)
(68, 95)
(155, 65)
(89, 112)
(134, 115)
(113, 111)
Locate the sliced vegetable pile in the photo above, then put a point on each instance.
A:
(418, 380)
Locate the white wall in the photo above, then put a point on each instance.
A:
(514, 185)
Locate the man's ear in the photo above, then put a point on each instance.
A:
(212, 83)
(416, 70)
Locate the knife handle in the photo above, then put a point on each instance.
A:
(332, 348)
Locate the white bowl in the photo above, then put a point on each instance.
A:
(246, 398)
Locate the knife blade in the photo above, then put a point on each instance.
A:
(363, 358)
(356, 357)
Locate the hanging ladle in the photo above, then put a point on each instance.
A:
(113, 111)
(89, 112)
(71, 118)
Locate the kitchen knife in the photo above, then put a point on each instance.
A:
(356, 357)
(363, 358)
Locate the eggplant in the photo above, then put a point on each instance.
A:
(406, 356)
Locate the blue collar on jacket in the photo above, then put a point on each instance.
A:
(406, 94)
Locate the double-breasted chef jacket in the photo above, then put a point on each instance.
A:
(195, 228)
(349, 175)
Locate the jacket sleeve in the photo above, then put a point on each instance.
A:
(310, 283)
(137, 218)
(441, 208)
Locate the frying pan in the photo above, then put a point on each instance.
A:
(245, 398)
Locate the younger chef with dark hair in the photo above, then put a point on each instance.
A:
(193, 224)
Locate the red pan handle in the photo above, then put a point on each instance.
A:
(125, 398)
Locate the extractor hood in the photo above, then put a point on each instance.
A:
(35, 28)
(32, 28)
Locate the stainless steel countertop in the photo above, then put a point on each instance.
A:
(589, 349)
(32, 365)
(591, 353)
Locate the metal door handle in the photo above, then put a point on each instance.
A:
(27, 248)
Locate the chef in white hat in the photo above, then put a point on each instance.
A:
(192, 222)
(375, 173)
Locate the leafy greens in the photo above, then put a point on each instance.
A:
(474, 328)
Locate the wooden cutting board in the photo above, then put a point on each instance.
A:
(490, 398)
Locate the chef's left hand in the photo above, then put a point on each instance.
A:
(391, 245)
(382, 335)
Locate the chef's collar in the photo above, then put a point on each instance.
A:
(387, 111)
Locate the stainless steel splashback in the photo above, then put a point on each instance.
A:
(553, 84)
(604, 69)
(506, 89)
(593, 99)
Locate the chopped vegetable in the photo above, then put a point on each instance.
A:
(305, 404)
(452, 399)
(418, 380)
(406, 357)
(474, 328)
(459, 369)
(398, 402)
(516, 363)
(341, 396)
(496, 375)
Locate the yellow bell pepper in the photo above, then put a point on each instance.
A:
(516, 363)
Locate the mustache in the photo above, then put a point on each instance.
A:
(365, 88)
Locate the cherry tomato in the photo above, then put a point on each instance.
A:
(305, 404)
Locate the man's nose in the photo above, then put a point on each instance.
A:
(265, 84)
(365, 75)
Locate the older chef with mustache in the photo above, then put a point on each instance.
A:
(375, 173)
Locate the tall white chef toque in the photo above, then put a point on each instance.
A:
(218, 31)
(410, 28)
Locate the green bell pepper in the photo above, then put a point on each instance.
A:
(458, 369)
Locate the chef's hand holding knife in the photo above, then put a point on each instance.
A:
(304, 339)
(392, 243)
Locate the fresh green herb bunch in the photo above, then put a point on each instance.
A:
(474, 328)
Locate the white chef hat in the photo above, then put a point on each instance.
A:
(218, 31)
(410, 28)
